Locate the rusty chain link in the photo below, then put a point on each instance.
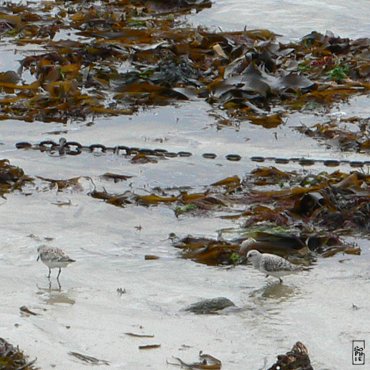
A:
(64, 147)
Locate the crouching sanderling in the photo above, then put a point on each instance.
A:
(271, 264)
(53, 258)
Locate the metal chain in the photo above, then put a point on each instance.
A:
(64, 147)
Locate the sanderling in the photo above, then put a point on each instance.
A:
(271, 264)
(53, 258)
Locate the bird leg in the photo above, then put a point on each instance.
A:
(281, 280)
(60, 270)
(49, 272)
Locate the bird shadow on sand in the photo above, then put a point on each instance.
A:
(275, 290)
(53, 294)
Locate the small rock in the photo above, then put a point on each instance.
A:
(210, 306)
(121, 291)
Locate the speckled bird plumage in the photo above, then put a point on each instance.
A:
(271, 264)
(53, 258)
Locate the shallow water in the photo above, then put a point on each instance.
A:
(315, 307)
(325, 308)
(290, 18)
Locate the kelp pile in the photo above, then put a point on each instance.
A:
(11, 177)
(332, 201)
(287, 213)
(112, 57)
(335, 201)
(347, 134)
(294, 216)
(11, 358)
(295, 359)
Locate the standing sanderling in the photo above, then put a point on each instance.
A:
(271, 264)
(53, 258)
